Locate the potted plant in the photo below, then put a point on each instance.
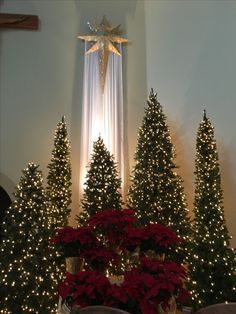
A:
(148, 283)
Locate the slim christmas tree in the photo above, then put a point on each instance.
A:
(26, 264)
(102, 186)
(156, 192)
(59, 179)
(213, 264)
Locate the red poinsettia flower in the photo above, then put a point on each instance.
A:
(183, 296)
(132, 239)
(72, 241)
(151, 284)
(69, 234)
(147, 307)
(86, 288)
(169, 278)
(64, 234)
(169, 268)
(158, 238)
(65, 289)
(86, 237)
(109, 217)
(120, 297)
(116, 295)
(136, 283)
(112, 223)
(99, 257)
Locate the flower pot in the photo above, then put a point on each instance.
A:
(153, 254)
(161, 257)
(74, 264)
(170, 310)
(118, 280)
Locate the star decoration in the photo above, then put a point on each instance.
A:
(104, 37)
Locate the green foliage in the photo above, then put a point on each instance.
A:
(156, 192)
(27, 263)
(58, 189)
(213, 264)
(102, 186)
(59, 179)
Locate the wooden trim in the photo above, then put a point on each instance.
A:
(19, 21)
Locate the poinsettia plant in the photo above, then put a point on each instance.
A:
(153, 237)
(145, 287)
(84, 288)
(112, 224)
(72, 242)
(158, 238)
(98, 258)
(112, 234)
(152, 283)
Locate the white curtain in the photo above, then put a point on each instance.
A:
(102, 113)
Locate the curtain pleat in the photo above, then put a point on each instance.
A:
(102, 113)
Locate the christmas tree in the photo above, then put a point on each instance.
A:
(102, 186)
(156, 192)
(26, 265)
(213, 264)
(59, 179)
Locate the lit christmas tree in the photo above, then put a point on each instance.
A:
(213, 264)
(26, 264)
(156, 192)
(59, 189)
(102, 186)
(59, 179)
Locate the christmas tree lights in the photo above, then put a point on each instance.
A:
(59, 178)
(27, 265)
(102, 186)
(59, 190)
(213, 264)
(156, 192)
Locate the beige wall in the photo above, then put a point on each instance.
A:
(183, 49)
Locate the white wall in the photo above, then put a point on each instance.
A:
(37, 82)
(183, 49)
(191, 51)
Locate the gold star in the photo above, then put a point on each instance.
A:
(105, 36)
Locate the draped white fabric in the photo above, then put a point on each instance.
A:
(102, 113)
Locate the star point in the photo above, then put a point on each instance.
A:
(104, 37)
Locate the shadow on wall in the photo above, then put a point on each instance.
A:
(211, 81)
(5, 202)
(179, 136)
(228, 180)
(211, 86)
(187, 168)
(5, 199)
(7, 184)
